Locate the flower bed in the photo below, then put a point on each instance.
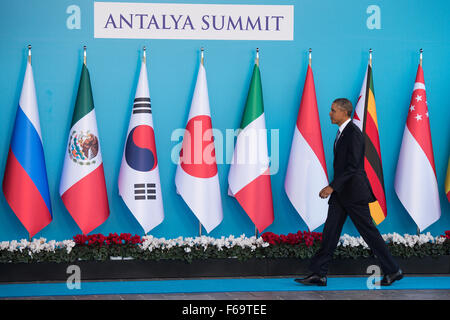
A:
(301, 245)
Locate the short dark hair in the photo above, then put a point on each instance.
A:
(345, 104)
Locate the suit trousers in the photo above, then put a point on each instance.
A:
(360, 215)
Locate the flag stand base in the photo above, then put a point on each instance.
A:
(151, 269)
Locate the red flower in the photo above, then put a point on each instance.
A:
(80, 239)
(136, 239)
(317, 236)
(112, 239)
(293, 238)
(125, 238)
(271, 238)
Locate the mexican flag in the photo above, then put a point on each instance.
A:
(249, 176)
(82, 186)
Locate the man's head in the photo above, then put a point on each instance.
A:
(341, 110)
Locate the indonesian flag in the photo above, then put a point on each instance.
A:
(365, 118)
(307, 172)
(197, 179)
(249, 176)
(82, 186)
(139, 183)
(25, 183)
(415, 178)
(447, 181)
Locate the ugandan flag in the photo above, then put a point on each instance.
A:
(365, 118)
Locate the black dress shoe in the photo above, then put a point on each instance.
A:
(388, 279)
(313, 280)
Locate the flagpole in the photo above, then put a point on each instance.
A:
(257, 63)
(420, 59)
(84, 62)
(144, 57)
(29, 61)
(420, 62)
(29, 54)
(201, 62)
(201, 56)
(144, 61)
(309, 57)
(370, 57)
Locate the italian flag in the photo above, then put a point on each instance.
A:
(82, 186)
(249, 176)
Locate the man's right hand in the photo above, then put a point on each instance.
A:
(326, 192)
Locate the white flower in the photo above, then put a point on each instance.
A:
(68, 244)
(347, 240)
(4, 245)
(12, 246)
(22, 244)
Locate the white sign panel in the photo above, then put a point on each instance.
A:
(193, 21)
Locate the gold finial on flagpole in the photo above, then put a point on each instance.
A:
(84, 55)
(257, 57)
(370, 57)
(310, 50)
(201, 55)
(144, 57)
(421, 52)
(29, 53)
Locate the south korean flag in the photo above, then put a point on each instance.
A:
(139, 182)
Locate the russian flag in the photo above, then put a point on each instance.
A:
(25, 183)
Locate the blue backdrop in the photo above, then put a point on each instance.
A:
(338, 33)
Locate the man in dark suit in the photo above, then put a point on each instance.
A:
(350, 195)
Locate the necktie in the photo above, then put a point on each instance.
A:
(337, 138)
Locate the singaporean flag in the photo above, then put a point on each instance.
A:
(197, 179)
(307, 172)
(415, 178)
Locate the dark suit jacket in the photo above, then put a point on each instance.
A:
(350, 183)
